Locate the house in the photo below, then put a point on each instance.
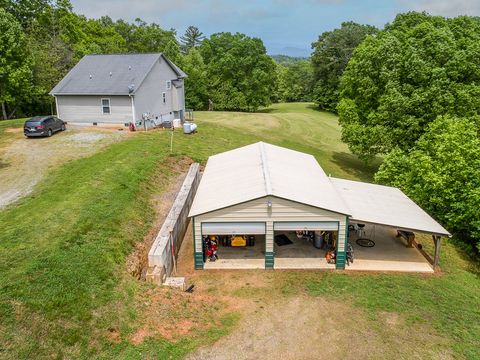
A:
(271, 207)
(119, 89)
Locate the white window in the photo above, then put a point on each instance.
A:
(164, 98)
(106, 106)
(169, 85)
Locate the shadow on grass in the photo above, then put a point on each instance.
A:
(265, 110)
(3, 164)
(356, 167)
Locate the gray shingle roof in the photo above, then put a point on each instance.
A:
(109, 74)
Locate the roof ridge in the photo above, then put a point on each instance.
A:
(266, 174)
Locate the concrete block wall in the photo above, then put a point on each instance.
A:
(160, 257)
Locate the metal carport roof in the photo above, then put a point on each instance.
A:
(385, 205)
(261, 169)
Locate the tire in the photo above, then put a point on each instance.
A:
(49, 132)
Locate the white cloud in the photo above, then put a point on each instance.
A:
(448, 8)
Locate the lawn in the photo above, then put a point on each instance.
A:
(65, 291)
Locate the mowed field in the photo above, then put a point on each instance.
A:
(66, 292)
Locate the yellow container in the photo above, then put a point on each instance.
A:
(239, 241)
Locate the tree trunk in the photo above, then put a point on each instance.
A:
(4, 111)
(12, 113)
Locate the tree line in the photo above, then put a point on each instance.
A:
(408, 93)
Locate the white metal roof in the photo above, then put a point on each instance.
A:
(259, 170)
(385, 205)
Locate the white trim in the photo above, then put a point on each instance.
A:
(306, 225)
(109, 106)
(233, 228)
(56, 107)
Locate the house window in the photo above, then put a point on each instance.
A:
(169, 84)
(106, 106)
(164, 98)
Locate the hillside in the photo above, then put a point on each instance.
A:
(65, 291)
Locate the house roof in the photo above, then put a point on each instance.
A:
(110, 74)
(385, 205)
(259, 170)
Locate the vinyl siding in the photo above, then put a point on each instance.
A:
(148, 97)
(281, 210)
(88, 109)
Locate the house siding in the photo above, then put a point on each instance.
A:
(88, 109)
(148, 97)
(281, 210)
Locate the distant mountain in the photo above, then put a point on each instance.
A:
(290, 51)
(286, 60)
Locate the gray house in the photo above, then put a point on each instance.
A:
(119, 89)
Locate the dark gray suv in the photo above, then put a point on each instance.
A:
(43, 126)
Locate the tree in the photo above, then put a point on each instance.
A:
(196, 83)
(294, 81)
(399, 81)
(332, 51)
(442, 174)
(241, 76)
(193, 37)
(15, 64)
(141, 37)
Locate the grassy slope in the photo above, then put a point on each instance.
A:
(62, 252)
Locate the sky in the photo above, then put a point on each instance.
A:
(286, 26)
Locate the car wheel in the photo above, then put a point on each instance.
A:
(63, 127)
(49, 132)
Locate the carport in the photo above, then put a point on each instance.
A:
(264, 206)
(391, 220)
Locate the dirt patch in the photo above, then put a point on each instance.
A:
(114, 336)
(173, 314)
(14, 130)
(139, 336)
(169, 182)
(24, 162)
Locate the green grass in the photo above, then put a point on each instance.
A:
(6, 124)
(449, 302)
(62, 249)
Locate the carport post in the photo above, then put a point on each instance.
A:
(436, 241)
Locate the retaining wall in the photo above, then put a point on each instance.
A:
(160, 256)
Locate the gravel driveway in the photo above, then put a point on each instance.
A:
(24, 162)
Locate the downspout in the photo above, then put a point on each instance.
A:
(133, 109)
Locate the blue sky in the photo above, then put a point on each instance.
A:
(286, 26)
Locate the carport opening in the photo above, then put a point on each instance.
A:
(384, 248)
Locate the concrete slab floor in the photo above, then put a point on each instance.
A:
(300, 249)
(389, 253)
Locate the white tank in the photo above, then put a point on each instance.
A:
(177, 123)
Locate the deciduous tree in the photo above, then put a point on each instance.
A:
(442, 174)
(241, 76)
(15, 64)
(332, 51)
(399, 81)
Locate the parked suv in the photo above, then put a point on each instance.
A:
(43, 126)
